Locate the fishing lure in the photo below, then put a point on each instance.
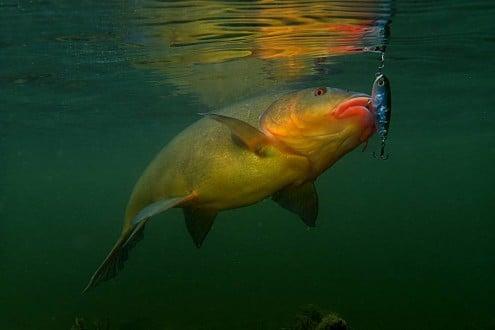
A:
(382, 108)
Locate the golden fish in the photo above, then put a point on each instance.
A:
(269, 146)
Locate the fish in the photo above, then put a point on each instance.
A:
(271, 146)
(381, 106)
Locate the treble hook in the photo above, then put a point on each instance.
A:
(382, 152)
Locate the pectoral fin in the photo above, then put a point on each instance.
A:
(301, 200)
(198, 223)
(243, 133)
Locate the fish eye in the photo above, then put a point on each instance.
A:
(381, 82)
(320, 91)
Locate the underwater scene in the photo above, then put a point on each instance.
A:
(265, 164)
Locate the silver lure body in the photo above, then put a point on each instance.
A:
(381, 104)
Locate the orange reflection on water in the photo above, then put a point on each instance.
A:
(306, 31)
(281, 40)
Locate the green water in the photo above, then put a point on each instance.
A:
(91, 91)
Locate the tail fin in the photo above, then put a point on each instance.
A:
(114, 261)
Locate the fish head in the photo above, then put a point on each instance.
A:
(321, 123)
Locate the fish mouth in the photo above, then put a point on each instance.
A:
(356, 105)
(359, 107)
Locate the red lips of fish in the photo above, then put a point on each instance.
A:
(357, 107)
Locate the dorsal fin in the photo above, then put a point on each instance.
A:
(243, 133)
(301, 200)
(198, 223)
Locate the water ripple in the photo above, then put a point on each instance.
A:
(280, 40)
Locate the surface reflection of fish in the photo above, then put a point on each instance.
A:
(274, 145)
(266, 41)
(305, 31)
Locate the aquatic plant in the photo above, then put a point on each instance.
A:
(312, 318)
(308, 318)
(80, 324)
(332, 322)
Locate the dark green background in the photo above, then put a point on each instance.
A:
(406, 243)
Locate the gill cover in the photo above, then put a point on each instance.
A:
(303, 119)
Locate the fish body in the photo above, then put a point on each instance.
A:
(203, 158)
(269, 146)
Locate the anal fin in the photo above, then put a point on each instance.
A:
(199, 223)
(301, 200)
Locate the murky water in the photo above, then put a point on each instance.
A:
(92, 90)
